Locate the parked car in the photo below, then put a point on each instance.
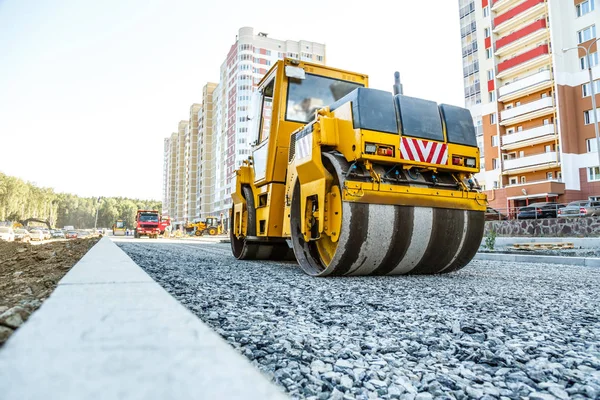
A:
(47, 234)
(36, 234)
(22, 235)
(583, 208)
(539, 210)
(492, 214)
(7, 233)
(71, 235)
(57, 233)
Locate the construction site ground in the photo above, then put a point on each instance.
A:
(28, 275)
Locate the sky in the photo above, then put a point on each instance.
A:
(89, 89)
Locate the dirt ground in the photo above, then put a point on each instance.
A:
(29, 273)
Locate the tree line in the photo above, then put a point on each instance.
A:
(20, 200)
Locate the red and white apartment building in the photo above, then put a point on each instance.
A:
(530, 100)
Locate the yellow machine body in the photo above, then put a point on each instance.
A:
(334, 159)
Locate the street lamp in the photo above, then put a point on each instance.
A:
(593, 92)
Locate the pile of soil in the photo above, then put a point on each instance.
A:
(29, 273)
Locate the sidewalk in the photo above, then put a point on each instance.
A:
(110, 332)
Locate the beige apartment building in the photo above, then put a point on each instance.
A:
(530, 100)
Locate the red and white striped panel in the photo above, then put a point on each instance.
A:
(424, 151)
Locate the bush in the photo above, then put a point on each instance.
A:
(490, 240)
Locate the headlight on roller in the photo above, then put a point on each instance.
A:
(370, 148)
(470, 162)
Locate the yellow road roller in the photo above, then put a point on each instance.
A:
(350, 180)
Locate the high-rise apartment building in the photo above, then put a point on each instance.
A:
(530, 100)
(199, 169)
(191, 163)
(247, 61)
(206, 154)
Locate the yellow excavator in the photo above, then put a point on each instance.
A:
(211, 225)
(350, 180)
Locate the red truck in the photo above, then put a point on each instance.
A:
(147, 223)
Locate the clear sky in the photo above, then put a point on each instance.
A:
(89, 89)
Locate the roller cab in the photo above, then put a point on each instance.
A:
(356, 181)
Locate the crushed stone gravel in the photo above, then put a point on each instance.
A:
(492, 330)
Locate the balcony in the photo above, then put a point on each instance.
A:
(524, 58)
(499, 6)
(527, 111)
(529, 84)
(528, 137)
(521, 37)
(518, 14)
(549, 187)
(535, 162)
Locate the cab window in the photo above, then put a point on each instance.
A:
(266, 114)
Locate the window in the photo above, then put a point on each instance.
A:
(267, 109)
(544, 95)
(319, 58)
(492, 95)
(307, 95)
(492, 118)
(585, 88)
(486, 32)
(512, 181)
(523, 180)
(521, 154)
(510, 131)
(586, 34)
(593, 174)
(490, 74)
(546, 121)
(559, 176)
(517, 104)
(488, 53)
(585, 7)
(486, 11)
(519, 128)
(495, 164)
(591, 145)
(593, 58)
(509, 156)
(588, 116)
(508, 106)
(494, 141)
(548, 148)
(549, 176)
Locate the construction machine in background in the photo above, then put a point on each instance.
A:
(211, 226)
(164, 224)
(119, 228)
(147, 224)
(356, 181)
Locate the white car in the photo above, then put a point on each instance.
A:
(7, 233)
(36, 235)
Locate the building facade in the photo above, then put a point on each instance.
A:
(247, 61)
(201, 158)
(530, 100)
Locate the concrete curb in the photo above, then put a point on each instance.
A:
(109, 331)
(584, 243)
(532, 258)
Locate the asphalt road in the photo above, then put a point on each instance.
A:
(491, 330)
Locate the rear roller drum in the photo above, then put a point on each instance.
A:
(242, 249)
(377, 239)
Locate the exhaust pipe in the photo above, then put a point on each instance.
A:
(397, 85)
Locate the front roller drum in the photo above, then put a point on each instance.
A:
(377, 239)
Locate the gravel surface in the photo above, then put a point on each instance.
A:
(492, 330)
